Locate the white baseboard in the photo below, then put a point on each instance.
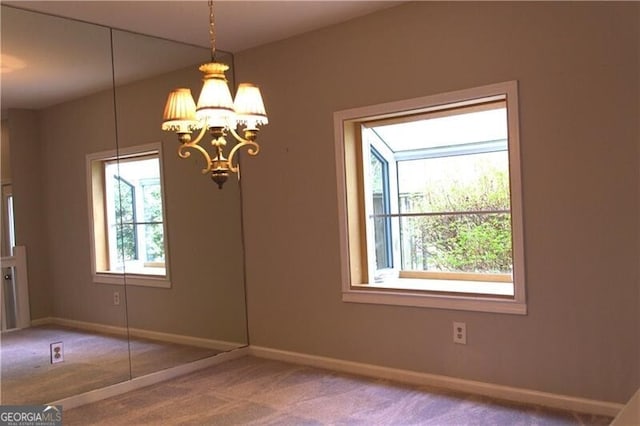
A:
(527, 396)
(200, 342)
(147, 380)
(41, 321)
(220, 345)
(81, 325)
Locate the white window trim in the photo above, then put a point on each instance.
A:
(116, 278)
(353, 292)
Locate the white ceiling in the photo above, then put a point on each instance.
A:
(65, 59)
(240, 24)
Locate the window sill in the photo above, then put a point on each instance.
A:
(132, 279)
(474, 287)
(420, 297)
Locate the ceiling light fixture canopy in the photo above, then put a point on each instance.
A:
(216, 113)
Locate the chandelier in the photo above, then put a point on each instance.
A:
(216, 114)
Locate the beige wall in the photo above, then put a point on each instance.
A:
(577, 66)
(5, 178)
(27, 162)
(69, 132)
(5, 159)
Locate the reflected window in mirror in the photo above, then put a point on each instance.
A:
(8, 223)
(128, 220)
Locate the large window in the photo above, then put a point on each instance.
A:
(431, 191)
(128, 216)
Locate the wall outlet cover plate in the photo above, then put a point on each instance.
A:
(57, 352)
(460, 333)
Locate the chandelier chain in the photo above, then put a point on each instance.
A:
(212, 30)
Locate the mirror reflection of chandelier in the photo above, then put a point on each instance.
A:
(216, 114)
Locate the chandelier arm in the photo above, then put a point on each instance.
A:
(182, 153)
(185, 140)
(244, 141)
(252, 149)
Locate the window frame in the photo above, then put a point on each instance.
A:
(97, 205)
(351, 169)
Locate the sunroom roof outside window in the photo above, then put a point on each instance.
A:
(481, 131)
(447, 131)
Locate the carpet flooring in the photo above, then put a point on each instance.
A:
(255, 391)
(91, 361)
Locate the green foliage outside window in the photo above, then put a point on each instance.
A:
(127, 224)
(154, 233)
(125, 216)
(479, 243)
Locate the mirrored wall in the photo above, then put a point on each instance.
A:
(127, 284)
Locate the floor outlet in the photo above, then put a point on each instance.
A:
(116, 297)
(57, 352)
(460, 333)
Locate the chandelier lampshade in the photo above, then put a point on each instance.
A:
(180, 112)
(249, 106)
(215, 103)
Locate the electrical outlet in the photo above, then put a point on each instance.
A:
(57, 352)
(460, 333)
(116, 297)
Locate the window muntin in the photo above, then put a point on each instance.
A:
(127, 211)
(472, 134)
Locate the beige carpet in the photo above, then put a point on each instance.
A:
(254, 391)
(91, 361)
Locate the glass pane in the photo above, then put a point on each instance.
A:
(152, 201)
(380, 202)
(127, 241)
(124, 200)
(11, 222)
(377, 177)
(460, 183)
(140, 172)
(458, 128)
(476, 243)
(140, 249)
(135, 218)
(88, 51)
(152, 239)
